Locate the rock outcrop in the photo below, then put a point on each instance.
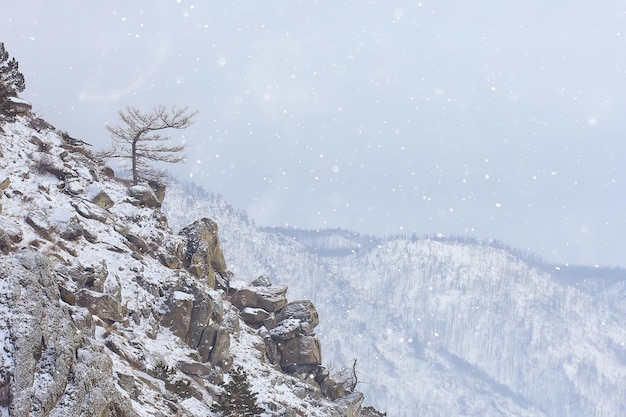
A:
(204, 257)
(195, 313)
(44, 334)
(288, 327)
(290, 342)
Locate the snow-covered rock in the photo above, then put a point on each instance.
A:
(105, 312)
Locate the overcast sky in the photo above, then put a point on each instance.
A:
(489, 119)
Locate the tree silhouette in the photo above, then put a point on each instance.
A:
(11, 79)
(138, 139)
(238, 399)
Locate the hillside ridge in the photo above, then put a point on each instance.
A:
(106, 312)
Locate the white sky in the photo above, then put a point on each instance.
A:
(487, 119)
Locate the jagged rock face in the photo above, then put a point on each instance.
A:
(45, 335)
(173, 252)
(195, 314)
(204, 255)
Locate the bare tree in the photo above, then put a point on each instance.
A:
(138, 139)
(348, 377)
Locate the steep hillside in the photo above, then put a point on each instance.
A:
(446, 328)
(105, 312)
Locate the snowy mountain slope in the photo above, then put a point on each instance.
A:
(93, 295)
(444, 328)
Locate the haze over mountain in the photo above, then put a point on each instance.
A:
(444, 327)
(494, 120)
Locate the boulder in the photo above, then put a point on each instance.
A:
(102, 199)
(5, 184)
(207, 307)
(101, 305)
(303, 311)
(74, 186)
(287, 329)
(99, 197)
(90, 210)
(214, 345)
(67, 295)
(38, 220)
(196, 315)
(72, 229)
(142, 195)
(262, 281)
(178, 316)
(204, 256)
(300, 354)
(269, 299)
(12, 229)
(254, 316)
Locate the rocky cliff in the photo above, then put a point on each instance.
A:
(106, 312)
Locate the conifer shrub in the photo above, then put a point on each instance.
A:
(11, 79)
(238, 399)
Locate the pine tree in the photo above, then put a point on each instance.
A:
(238, 399)
(11, 79)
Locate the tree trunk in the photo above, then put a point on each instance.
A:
(133, 157)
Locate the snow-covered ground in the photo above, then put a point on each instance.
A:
(47, 193)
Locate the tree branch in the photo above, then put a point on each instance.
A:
(137, 138)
